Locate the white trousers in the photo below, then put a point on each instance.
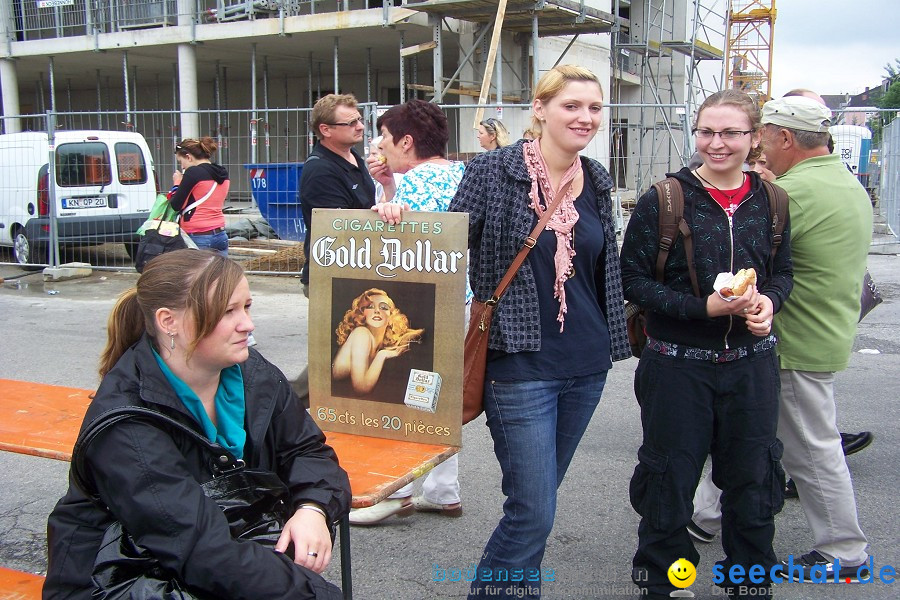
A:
(807, 426)
(441, 485)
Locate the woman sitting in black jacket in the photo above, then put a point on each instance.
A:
(178, 345)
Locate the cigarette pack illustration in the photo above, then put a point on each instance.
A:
(422, 390)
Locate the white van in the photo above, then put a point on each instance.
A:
(103, 190)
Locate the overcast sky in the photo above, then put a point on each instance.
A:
(834, 46)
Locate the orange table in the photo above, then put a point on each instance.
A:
(39, 419)
(44, 420)
(16, 585)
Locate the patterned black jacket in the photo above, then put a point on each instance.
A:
(674, 313)
(494, 191)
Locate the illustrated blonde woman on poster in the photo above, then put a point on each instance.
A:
(372, 331)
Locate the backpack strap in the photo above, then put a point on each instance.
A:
(671, 223)
(778, 209)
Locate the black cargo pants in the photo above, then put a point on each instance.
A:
(691, 409)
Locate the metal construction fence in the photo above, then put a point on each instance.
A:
(98, 204)
(104, 187)
(889, 189)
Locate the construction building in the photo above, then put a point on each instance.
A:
(237, 69)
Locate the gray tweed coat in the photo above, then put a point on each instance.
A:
(494, 191)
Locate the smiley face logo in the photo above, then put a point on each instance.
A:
(682, 573)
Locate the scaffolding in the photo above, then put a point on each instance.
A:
(384, 51)
(660, 80)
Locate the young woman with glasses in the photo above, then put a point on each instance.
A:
(707, 382)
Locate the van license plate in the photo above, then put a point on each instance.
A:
(84, 203)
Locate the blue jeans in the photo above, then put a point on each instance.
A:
(217, 242)
(536, 427)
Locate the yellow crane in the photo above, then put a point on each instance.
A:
(748, 53)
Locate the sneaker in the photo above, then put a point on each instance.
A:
(790, 489)
(700, 534)
(847, 574)
(854, 442)
(445, 510)
(385, 509)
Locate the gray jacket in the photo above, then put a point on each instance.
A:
(494, 191)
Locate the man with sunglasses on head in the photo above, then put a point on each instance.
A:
(334, 175)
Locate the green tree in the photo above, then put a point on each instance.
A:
(890, 99)
(893, 70)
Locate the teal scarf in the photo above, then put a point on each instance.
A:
(230, 407)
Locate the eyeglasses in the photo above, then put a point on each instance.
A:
(351, 123)
(731, 134)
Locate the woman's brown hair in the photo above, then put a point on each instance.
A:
(203, 148)
(743, 102)
(424, 121)
(199, 282)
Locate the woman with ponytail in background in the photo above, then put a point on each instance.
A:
(199, 193)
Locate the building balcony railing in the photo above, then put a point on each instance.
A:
(27, 20)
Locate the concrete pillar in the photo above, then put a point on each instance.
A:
(9, 84)
(438, 57)
(187, 75)
(187, 88)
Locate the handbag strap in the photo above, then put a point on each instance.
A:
(530, 243)
(223, 460)
(197, 203)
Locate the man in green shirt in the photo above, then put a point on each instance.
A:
(831, 230)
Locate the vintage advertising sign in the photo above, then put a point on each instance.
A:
(386, 311)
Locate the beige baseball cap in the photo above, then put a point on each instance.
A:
(797, 112)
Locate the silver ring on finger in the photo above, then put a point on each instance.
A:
(313, 554)
(746, 310)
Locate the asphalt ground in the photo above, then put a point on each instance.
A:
(54, 332)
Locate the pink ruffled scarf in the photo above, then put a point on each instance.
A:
(561, 223)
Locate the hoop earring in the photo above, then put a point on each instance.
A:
(171, 340)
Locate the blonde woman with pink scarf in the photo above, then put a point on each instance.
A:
(561, 323)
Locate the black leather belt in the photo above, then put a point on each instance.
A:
(716, 356)
(210, 232)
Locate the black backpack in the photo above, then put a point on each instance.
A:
(671, 224)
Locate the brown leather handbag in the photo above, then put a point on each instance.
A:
(476, 345)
